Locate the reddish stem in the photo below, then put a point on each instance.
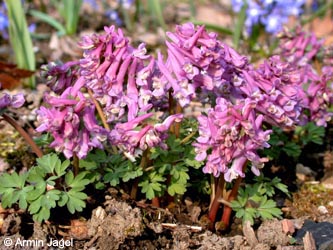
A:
(233, 194)
(216, 204)
(24, 134)
(155, 202)
(226, 209)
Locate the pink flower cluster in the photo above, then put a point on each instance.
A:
(300, 48)
(72, 123)
(198, 63)
(233, 134)
(276, 88)
(134, 90)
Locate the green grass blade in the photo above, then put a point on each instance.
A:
(155, 7)
(214, 27)
(49, 20)
(239, 25)
(71, 15)
(20, 38)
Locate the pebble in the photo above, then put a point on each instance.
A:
(322, 210)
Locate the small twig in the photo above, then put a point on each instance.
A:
(99, 110)
(224, 202)
(102, 116)
(93, 239)
(24, 134)
(173, 226)
(187, 138)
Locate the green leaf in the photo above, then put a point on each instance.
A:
(12, 180)
(35, 206)
(282, 187)
(69, 177)
(265, 214)
(235, 205)
(292, 149)
(23, 204)
(249, 215)
(37, 192)
(79, 182)
(63, 199)
(88, 165)
(193, 163)
(50, 198)
(154, 153)
(43, 214)
(36, 175)
(49, 162)
(176, 188)
(60, 169)
(266, 204)
(132, 174)
(240, 213)
(150, 189)
(112, 178)
(75, 201)
(6, 199)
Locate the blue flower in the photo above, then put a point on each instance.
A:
(272, 14)
(114, 16)
(4, 23)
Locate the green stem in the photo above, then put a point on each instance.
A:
(177, 124)
(76, 164)
(24, 134)
(143, 164)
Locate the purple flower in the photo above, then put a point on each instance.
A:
(299, 47)
(59, 76)
(276, 87)
(232, 134)
(11, 101)
(197, 62)
(138, 134)
(72, 123)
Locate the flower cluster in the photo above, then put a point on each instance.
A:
(300, 49)
(233, 133)
(276, 88)
(198, 62)
(137, 95)
(121, 78)
(72, 123)
(272, 14)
